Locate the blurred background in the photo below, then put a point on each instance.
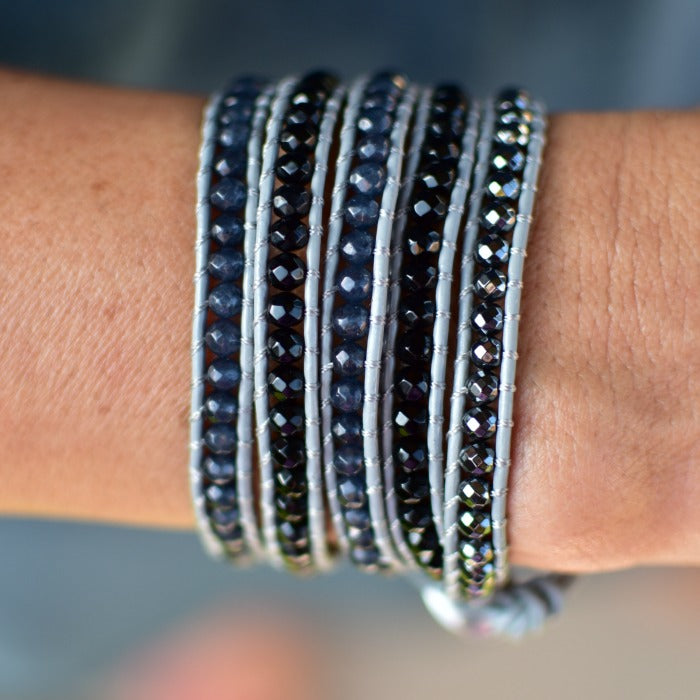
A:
(82, 608)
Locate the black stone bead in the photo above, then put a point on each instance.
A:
(295, 558)
(219, 469)
(288, 453)
(227, 229)
(497, 217)
(220, 407)
(513, 98)
(429, 207)
(351, 321)
(286, 310)
(217, 495)
(226, 265)
(291, 201)
(348, 460)
(478, 460)
(414, 348)
(436, 176)
(352, 492)
(508, 158)
(411, 420)
(475, 553)
(368, 178)
(223, 337)
(417, 517)
(491, 284)
(287, 418)
(291, 482)
(229, 194)
(474, 493)
(479, 423)
(358, 518)
(416, 310)
(303, 114)
(423, 544)
(487, 318)
(290, 508)
(412, 384)
(348, 359)
(221, 438)
(512, 134)
(421, 240)
(347, 428)
(441, 150)
(482, 387)
(318, 81)
(234, 136)
(285, 382)
(296, 534)
(294, 169)
(225, 300)
(450, 96)
(412, 488)
(285, 346)
(485, 352)
(300, 138)
(411, 455)
(503, 185)
(354, 283)
(374, 149)
(491, 250)
(420, 274)
(289, 234)
(361, 211)
(286, 271)
(346, 395)
(231, 163)
(357, 247)
(224, 374)
(445, 127)
(474, 524)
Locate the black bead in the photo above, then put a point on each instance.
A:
(421, 240)
(449, 96)
(224, 374)
(231, 163)
(288, 453)
(286, 310)
(318, 81)
(373, 149)
(482, 576)
(487, 318)
(497, 217)
(485, 352)
(436, 176)
(348, 359)
(478, 460)
(411, 420)
(413, 488)
(285, 346)
(286, 271)
(414, 348)
(417, 517)
(291, 201)
(412, 384)
(411, 455)
(441, 150)
(429, 207)
(287, 418)
(294, 169)
(474, 524)
(347, 428)
(225, 264)
(351, 492)
(285, 382)
(423, 544)
(420, 273)
(490, 284)
(219, 469)
(223, 337)
(291, 482)
(474, 493)
(416, 310)
(511, 134)
(513, 98)
(303, 114)
(225, 300)
(220, 438)
(503, 185)
(289, 234)
(298, 138)
(227, 229)
(220, 407)
(445, 127)
(290, 508)
(348, 460)
(508, 158)
(482, 387)
(229, 194)
(296, 534)
(491, 250)
(479, 423)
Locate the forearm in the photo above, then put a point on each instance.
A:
(97, 221)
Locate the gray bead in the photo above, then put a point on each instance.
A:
(226, 265)
(474, 493)
(346, 395)
(227, 229)
(497, 217)
(219, 468)
(348, 460)
(221, 438)
(490, 284)
(491, 250)
(349, 359)
(226, 300)
(352, 493)
(354, 283)
(373, 148)
(228, 194)
(223, 337)
(482, 387)
(347, 428)
(478, 460)
(374, 122)
(357, 246)
(361, 211)
(351, 321)
(220, 407)
(368, 178)
(487, 318)
(486, 352)
(224, 374)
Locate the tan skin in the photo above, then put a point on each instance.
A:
(96, 224)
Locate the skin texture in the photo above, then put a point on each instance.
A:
(97, 225)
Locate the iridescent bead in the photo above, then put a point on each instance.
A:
(479, 423)
(482, 387)
(411, 455)
(225, 264)
(225, 300)
(354, 283)
(412, 384)
(288, 453)
(220, 438)
(223, 337)
(346, 395)
(348, 460)
(503, 185)
(497, 217)
(368, 178)
(487, 318)
(220, 407)
(229, 194)
(347, 428)
(513, 134)
(357, 246)
(285, 346)
(294, 169)
(474, 493)
(490, 284)
(351, 321)
(475, 553)
(285, 382)
(508, 158)
(483, 576)
(224, 374)
(348, 359)
(287, 418)
(361, 211)
(286, 271)
(373, 148)
(227, 229)
(286, 309)
(289, 234)
(474, 524)
(436, 176)
(219, 469)
(485, 352)
(491, 250)
(351, 492)
(478, 460)
(291, 201)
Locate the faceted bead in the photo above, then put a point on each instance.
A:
(289, 234)
(420, 240)
(380, 100)
(220, 438)
(225, 522)
(354, 283)
(291, 201)
(298, 138)
(420, 273)
(482, 387)
(475, 553)
(288, 453)
(507, 158)
(291, 482)
(491, 250)
(224, 374)
(220, 407)
(238, 113)
(445, 128)
(351, 492)
(503, 185)
(358, 518)
(412, 384)
(366, 557)
(511, 134)
(290, 508)
(286, 271)
(411, 420)
(487, 318)
(357, 246)
(513, 98)
(226, 265)
(303, 114)
(231, 163)
(491, 284)
(411, 455)
(228, 194)
(429, 207)
(373, 149)
(348, 360)
(227, 229)
(474, 524)
(360, 538)
(497, 217)
(225, 300)
(386, 82)
(285, 382)
(441, 150)
(287, 418)
(486, 352)
(346, 395)
(217, 495)
(478, 460)
(368, 178)
(318, 81)
(425, 542)
(417, 517)
(296, 534)
(243, 90)
(295, 558)
(294, 169)
(285, 346)
(449, 95)
(516, 116)
(416, 309)
(479, 423)
(219, 468)
(413, 488)
(348, 460)
(361, 211)
(234, 136)
(483, 575)
(414, 348)
(474, 493)
(286, 310)
(223, 337)
(347, 428)
(351, 321)
(436, 176)
(374, 122)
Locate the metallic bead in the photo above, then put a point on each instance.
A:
(487, 318)
(485, 352)
(503, 185)
(474, 524)
(479, 423)
(490, 284)
(507, 158)
(482, 387)
(497, 217)
(478, 460)
(474, 493)
(475, 553)
(491, 250)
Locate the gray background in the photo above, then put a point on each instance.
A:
(74, 598)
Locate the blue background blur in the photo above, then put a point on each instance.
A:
(73, 598)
